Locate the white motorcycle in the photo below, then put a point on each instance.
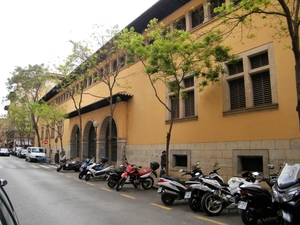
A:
(222, 195)
(98, 170)
(171, 188)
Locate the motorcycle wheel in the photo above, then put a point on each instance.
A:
(209, 205)
(87, 177)
(111, 183)
(148, 183)
(120, 184)
(58, 169)
(195, 203)
(167, 199)
(249, 217)
(80, 175)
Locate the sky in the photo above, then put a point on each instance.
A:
(38, 32)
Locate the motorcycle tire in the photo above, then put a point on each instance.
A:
(148, 183)
(195, 203)
(87, 177)
(167, 199)
(111, 183)
(120, 184)
(249, 217)
(80, 175)
(58, 169)
(209, 205)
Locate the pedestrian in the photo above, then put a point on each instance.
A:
(163, 163)
(62, 153)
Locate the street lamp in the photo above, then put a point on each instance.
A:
(96, 125)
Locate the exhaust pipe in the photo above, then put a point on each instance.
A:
(169, 192)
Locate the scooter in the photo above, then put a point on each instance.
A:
(171, 188)
(136, 176)
(98, 170)
(286, 195)
(195, 191)
(256, 202)
(75, 165)
(83, 168)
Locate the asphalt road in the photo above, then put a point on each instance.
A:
(43, 196)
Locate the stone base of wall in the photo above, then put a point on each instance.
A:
(227, 153)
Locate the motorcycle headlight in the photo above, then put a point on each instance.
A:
(288, 196)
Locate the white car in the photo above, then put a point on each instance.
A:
(35, 154)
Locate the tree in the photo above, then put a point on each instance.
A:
(281, 15)
(102, 66)
(170, 56)
(19, 118)
(52, 118)
(29, 84)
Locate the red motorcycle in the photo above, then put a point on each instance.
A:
(135, 175)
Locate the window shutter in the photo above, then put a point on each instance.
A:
(189, 104)
(261, 88)
(237, 94)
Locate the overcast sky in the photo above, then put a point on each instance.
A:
(38, 31)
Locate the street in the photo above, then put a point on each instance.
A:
(43, 196)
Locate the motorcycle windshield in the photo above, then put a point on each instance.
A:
(289, 176)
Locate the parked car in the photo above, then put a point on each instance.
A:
(7, 212)
(4, 152)
(35, 153)
(15, 151)
(22, 153)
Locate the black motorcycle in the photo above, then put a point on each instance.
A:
(256, 202)
(115, 176)
(63, 164)
(286, 195)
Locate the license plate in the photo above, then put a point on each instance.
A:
(159, 189)
(187, 194)
(242, 205)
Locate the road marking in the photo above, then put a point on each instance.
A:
(68, 176)
(90, 184)
(46, 167)
(128, 196)
(34, 166)
(106, 189)
(11, 167)
(161, 206)
(211, 221)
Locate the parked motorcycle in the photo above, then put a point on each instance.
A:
(83, 168)
(195, 191)
(99, 170)
(63, 164)
(114, 176)
(255, 203)
(221, 194)
(286, 195)
(171, 188)
(136, 176)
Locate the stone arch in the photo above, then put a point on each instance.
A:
(74, 141)
(89, 140)
(103, 138)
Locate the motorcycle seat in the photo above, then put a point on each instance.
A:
(171, 178)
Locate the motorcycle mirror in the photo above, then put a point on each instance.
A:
(255, 173)
(181, 170)
(271, 167)
(197, 163)
(217, 163)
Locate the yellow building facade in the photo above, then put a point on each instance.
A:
(245, 121)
